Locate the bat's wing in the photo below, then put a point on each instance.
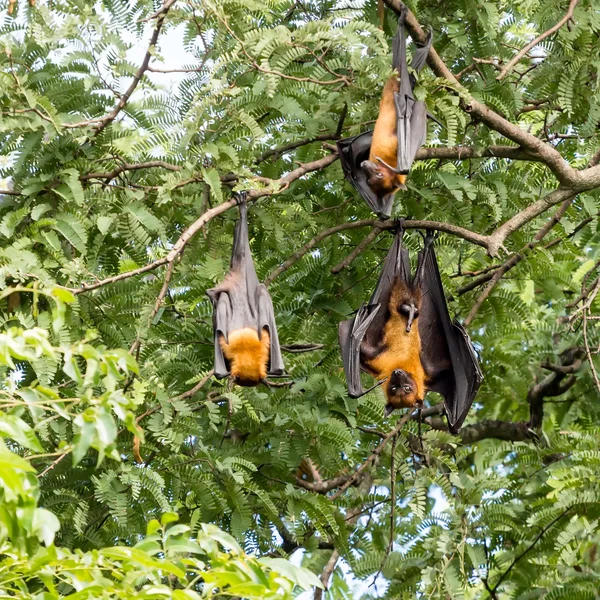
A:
(396, 265)
(352, 152)
(411, 114)
(266, 320)
(446, 350)
(235, 298)
(351, 334)
(221, 323)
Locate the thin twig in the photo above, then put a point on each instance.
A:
(367, 241)
(110, 117)
(373, 456)
(509, 66)
(529, 548)
(55, 463)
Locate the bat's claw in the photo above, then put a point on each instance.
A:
(429, 237)
(241, 197)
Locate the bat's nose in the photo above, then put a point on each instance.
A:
(397, 372)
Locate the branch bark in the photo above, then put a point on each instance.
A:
(514, 260)
(275, 186)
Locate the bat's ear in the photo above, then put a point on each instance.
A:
(389, 409)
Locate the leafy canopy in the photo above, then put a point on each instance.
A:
(125, 129)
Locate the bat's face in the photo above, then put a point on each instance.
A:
(381, 180)
(401, 391)
(248, 356)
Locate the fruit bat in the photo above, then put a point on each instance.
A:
(405, 339)
(377, 162)
(245, 333)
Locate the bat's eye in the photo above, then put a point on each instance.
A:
(379, 175)
(393, 389)
(406, 389)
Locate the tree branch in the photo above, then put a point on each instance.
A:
(546, 153)
(293, 145)
(528, 549)
(326, 574)
(373, 456)
(470, 152)
(471, 236)
(275, 186)
(160, 15)
(367, 240)
(509, 66)
(514, 260)
(553, 385)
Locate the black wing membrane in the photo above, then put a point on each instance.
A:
(240, 300)
(351, 334)
(411, 127)
(447, 353)
(352, 152)
(369, 321)
(411, 113)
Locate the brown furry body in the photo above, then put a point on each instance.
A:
(384, 146)
(400, 350)
(247, 354)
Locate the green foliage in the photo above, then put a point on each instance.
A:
(96, 380)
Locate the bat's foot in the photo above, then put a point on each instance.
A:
(241, 198)
(429, 237)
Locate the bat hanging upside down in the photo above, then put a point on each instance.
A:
(405, 339)
(377, 162)
(245, 333)
(396, 359)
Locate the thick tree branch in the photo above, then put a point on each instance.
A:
(514, 260)
(275, 186)
(529, 142)
(535, 209)
(322, 486)
(554, 384)
(509, 66)
(488, 428)
(326, 574)
(470, 152)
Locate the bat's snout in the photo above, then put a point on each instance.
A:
(399, 374)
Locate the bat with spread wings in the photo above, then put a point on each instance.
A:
(245, 334)
(406, 340)
(377, 162)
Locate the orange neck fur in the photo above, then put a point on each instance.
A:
(402, 348)
(248, 355)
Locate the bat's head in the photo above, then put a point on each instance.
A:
(381, 179)
(248, 356)
(401, 391)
